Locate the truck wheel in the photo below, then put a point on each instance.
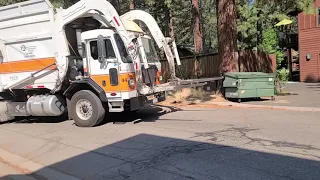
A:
(87, 109)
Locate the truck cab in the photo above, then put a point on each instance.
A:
(107, 62)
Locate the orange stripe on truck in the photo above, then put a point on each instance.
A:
(122, 86)
(26, 65)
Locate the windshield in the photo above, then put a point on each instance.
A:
(122, 49)
(151, 53)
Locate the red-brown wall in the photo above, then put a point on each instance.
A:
(309, 43)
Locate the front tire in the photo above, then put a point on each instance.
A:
(87, 109)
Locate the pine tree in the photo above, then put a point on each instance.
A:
(227, 35)
(198, 42)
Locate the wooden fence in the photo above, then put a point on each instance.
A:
(257, 62)
(208, 65)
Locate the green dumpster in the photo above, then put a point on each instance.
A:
(241, 85)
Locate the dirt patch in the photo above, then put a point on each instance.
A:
(191, 96)
(215, 104)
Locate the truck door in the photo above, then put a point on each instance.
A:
(104, 72)
(150, 73)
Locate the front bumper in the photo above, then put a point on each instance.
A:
(141, 101)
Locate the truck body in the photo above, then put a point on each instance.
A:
(82, 61)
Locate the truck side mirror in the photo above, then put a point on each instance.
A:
(82, 51)
(102, 53)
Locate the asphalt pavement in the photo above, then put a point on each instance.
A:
(296, 94)
(169, 143)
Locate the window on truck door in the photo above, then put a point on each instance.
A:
(109, 49)
(122, 49)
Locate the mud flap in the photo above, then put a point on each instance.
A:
(69, 107)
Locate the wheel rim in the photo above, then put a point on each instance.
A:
(84, 109)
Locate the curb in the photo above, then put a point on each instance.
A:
(302, 109)
(248, 106)
(34, 169)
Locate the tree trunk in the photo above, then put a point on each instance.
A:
(171, 24)
(204, 35)
(227, 35)
(131, 5)
(166, 25)
(198, 44)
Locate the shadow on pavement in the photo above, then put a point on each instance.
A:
(249, 99)
(147, 156)
(148, 114)
(30, 120)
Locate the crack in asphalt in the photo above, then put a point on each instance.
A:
(242, 133)
(184, 170)
(214, 136)
(161, 156)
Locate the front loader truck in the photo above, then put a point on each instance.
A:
(81, 61)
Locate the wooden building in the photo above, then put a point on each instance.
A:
(309, 45)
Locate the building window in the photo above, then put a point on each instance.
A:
(318, 17)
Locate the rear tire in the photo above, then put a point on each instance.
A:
(87, 109)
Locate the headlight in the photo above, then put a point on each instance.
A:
(132, 83)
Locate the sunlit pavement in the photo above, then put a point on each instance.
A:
(300, 95)
(164, 143)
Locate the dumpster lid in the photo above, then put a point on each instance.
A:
(249, 75)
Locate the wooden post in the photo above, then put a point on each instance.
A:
(289, 54)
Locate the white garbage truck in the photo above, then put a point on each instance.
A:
(81, 61)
